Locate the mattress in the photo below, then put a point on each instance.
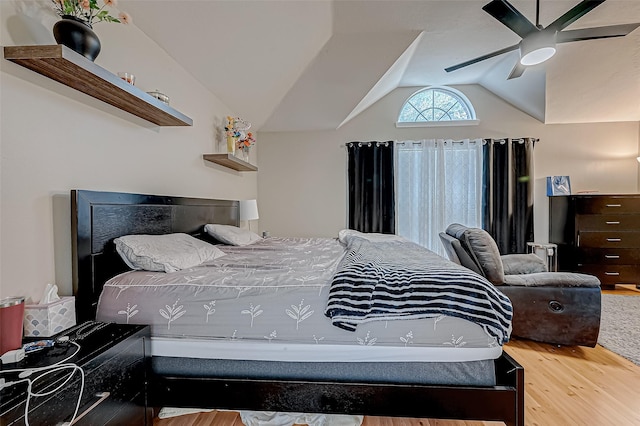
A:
(266, 302)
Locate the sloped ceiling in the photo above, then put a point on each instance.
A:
(313, 64)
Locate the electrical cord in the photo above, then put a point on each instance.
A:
(61, 367)
(24, 373)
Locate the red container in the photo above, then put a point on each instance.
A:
(11, 314)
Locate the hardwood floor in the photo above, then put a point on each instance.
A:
(624, 290)
(565, 385)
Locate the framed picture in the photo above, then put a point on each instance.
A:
(558, 185)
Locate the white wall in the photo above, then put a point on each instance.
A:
(54, 139)
(302, 181)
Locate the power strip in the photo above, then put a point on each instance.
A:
(12, 357)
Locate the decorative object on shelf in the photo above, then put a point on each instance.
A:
(244, 145)
(558, 185)
(231, 135)
(235, 131)
(77, 35)
(160, 96)
(75, 29)
(128, 77)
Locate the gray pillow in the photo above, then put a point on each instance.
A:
(164, 253)
(232, 234)
(486, 254)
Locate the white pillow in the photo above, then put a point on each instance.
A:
(345, 234)
(168, 253)
(232, 234)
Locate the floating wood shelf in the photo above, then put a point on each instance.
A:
(62, 64)
(230, 161)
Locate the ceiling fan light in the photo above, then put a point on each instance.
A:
(537, 48)
(537, 56)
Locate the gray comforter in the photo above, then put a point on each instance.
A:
(275, 290)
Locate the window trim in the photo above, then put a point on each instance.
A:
(447, 123)
(444, 123)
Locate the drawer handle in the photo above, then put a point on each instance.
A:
(614, 205)
(612, 274)
(611, 256)
(101, 397)
(613, 223)
(614, 240)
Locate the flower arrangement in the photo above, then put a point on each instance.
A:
(89, 12)
(245, 144)
(230, 128)
(237, 139)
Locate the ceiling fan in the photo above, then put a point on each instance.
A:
(539, 43)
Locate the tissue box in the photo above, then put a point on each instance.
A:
(47, 319)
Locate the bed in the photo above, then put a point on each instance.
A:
(369, 385)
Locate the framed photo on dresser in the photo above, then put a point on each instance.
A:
(558, 185)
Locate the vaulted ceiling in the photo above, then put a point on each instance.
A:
(314, 64)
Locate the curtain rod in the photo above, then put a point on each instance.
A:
(484, 141)
(472, 141)
(386, 143)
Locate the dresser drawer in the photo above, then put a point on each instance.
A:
(613, 274)
(598, 235)
(621, 239)
(612, 256)
(607, 222)
(607, 204)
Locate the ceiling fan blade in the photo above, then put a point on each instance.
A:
(504, 12)
(575, 13)
(517, 71)
(596, 32)
(481, 58)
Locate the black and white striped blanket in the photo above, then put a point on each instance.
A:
(401, 280)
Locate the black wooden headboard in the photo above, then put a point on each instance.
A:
(97, 218)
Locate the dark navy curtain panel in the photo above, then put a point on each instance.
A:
(371, 187)
(508, 192)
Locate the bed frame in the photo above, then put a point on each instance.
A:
(99, 217)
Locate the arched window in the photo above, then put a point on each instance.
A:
(437, 105)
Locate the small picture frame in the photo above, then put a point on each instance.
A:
(558, 185)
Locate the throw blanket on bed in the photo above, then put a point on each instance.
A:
(393, 280)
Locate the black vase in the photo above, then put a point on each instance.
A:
(77, 35)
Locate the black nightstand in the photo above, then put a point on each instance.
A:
(115, 359)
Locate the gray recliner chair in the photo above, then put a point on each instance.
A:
(553, 307)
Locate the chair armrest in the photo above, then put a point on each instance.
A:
(552, 279)
(518, 264)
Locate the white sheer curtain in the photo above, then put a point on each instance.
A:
(438, 182)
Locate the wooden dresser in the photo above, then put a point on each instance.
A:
(598, 235)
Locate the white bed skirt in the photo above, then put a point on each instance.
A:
(299, 352)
